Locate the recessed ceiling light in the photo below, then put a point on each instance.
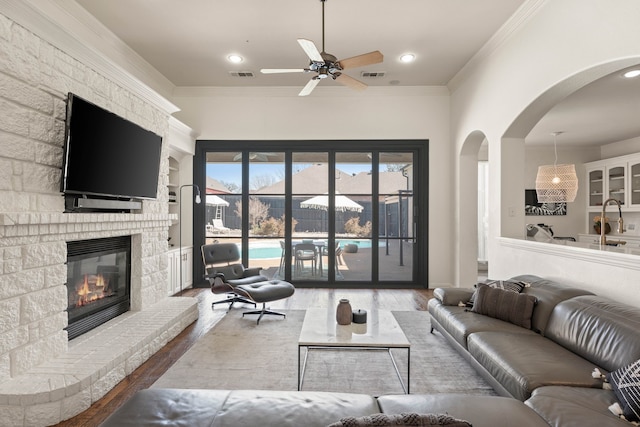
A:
(407, 57)
(632, 73)
(234, 58)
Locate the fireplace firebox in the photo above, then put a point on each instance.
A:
(98, 282)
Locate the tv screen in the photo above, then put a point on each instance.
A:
(107, 155)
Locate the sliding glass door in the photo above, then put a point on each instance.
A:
(318, 213)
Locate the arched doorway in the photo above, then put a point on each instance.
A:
(467, 233)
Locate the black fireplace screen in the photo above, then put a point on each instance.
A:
(98, 282)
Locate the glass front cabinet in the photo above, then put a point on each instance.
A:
(595, 186)
(617, 178)
(634, 183)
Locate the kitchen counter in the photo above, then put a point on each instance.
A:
(592, 243)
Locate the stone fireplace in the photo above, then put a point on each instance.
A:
(98, 282)
(45, 377)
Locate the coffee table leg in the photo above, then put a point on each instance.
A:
(393, 360)
(304, 366)
(408, 368)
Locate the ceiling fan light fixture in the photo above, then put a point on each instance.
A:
(327, 65)
(407, 57)
(632, 73)
(235, 58)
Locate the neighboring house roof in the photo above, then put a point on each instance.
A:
(313, 180)
(390, 183)
(310, 180)
(216, 187)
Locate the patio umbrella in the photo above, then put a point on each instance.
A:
(214, 200)
(343, 203)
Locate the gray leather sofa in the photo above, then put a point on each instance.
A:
(549, 366)
(544, 372)
(252, 408)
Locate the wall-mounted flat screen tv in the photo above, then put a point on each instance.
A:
(107, 155)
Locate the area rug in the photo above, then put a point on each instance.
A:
(239, 354)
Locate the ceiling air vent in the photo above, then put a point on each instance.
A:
(241, 74)
(372, 74)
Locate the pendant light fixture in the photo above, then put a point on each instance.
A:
(556, 183)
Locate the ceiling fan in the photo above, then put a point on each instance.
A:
(327, 65)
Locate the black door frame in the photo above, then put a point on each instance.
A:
(420, 147)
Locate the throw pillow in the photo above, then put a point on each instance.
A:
(399, 420)
(505, 305)
(507, 285)
(626, 385)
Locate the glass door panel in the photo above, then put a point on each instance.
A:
(266, 210)
(353, 215)
(617, 182)
(396, 221)
(634, 170)
(223, 193)
(310, 215)
(596, 187)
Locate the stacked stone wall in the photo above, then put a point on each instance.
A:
(35, 78)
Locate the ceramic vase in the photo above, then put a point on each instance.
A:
(343, 312)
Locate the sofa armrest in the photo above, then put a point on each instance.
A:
(452, 296)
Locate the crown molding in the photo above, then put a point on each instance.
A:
(181, 137)
(508, 29)
(319, 92)
(70, 28)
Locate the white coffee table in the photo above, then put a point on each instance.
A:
(381, 332)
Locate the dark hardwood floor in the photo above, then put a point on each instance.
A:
(151, 370)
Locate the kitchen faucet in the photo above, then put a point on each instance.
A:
(603, 237)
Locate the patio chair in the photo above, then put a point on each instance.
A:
(218, 226)
(339, 260)
(223, 260)
(302, 253)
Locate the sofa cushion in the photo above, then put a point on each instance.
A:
(626, 385)
(507, 285)
(401, 420)
(224, 408)
(505, 305)
(522, 363)
(459, 322)
(480, 411)
(603, 331)
(548, 294)
(575, 406)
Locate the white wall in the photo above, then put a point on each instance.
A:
(334, 113)
(505, 90)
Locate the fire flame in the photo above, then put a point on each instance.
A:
(92, 288)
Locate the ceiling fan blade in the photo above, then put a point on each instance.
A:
(361, 60)
(351, 82)
(311, 50)
(309, 87)
(282, 70)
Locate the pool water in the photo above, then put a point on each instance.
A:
(267, 251)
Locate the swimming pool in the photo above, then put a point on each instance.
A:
(268, 250)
